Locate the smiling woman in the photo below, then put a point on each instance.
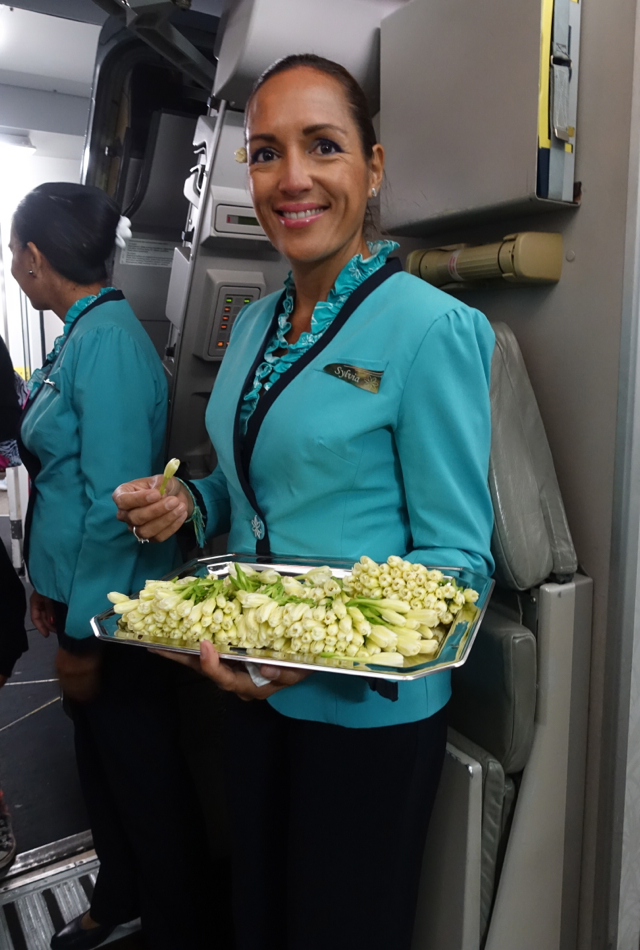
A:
(320, 173)
(310, 464)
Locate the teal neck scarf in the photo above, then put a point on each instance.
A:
(37, 378)
(280, 354)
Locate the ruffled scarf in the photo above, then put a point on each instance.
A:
(280, 354)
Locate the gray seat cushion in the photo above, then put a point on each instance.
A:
(531, 537)
(494, 693)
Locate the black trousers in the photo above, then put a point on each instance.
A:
(328, 828)
(145, 816)
(13, 638)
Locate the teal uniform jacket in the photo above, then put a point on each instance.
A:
(98, 421)
(328, 469)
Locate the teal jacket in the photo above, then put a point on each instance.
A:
(98, 421)
(328, 469)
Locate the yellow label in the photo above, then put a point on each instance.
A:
(544, 140)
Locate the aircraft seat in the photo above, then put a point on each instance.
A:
(492, 718)
(501, 864)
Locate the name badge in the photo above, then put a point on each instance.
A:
(368, 379)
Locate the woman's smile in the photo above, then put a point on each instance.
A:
(300, 214)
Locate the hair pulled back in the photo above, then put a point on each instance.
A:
(352, 90)
(74, 226)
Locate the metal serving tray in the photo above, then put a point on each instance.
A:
(453, 652)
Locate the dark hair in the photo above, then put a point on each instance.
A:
(74, 226)
(352, 90)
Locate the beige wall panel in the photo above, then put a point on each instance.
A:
(570, 337)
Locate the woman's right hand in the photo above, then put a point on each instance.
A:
(154, 516)
(42, 614)
(231, 677)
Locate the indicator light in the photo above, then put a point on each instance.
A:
(220, 344)
(247, 299)
(228, 300)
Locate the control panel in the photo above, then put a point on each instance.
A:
(231, 300)
(225, 294)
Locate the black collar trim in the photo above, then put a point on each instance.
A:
(262, 544)
(105, 298)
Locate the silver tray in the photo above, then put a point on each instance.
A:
(454, 650)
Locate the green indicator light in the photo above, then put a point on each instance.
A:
(247, 299)
(228, 300)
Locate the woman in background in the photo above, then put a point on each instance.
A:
(97, 412)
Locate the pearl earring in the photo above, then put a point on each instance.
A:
(31, 272)
(374, 193)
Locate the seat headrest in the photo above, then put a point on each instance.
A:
(531, 537)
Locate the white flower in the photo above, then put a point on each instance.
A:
(123, 232)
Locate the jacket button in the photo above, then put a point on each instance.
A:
(258, 528)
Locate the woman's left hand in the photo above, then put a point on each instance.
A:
(232, 678)
(78, 674)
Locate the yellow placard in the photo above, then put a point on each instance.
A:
(544, 141)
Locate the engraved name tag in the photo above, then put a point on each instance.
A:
(368, 379)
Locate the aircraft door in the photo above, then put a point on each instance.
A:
(227, 263)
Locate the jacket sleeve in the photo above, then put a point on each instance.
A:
(443, 436)
(212, 496)
(121, 411)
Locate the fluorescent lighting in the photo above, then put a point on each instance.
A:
(22, 142)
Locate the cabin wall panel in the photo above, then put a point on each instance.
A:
(570, 337)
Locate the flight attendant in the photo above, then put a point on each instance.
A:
(351, 416)
(96, 412)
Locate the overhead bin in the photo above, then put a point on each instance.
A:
(478, 110)
(257, 32)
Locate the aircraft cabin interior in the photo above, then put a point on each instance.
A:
(511, 137)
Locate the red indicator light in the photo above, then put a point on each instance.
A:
(220, 344)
